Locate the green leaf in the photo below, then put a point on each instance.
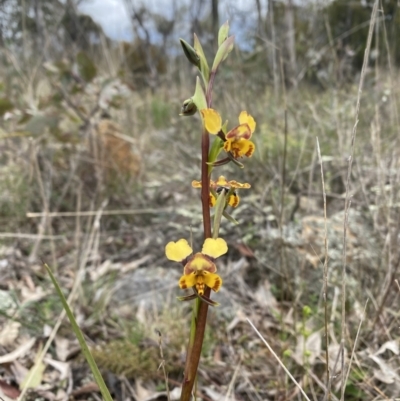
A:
(216, 147)
(86, 67)
(223, 51)
(204, 68)
(223, 33)
(199, 98)
(219, 210)
(79, 335)
(5, 105)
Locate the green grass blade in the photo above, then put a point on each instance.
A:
(78, 333)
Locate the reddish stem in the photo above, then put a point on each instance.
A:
(205, 184)
(194, 351)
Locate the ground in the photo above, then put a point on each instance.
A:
(118, 187)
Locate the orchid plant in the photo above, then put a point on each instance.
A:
(199, 269)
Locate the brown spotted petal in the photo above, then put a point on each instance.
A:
(242, 131)
(235, 184)
(188, 281)
(233, 200)
(222, 182)
(199, 262)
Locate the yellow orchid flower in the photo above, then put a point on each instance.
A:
(221, 184)
(199, 269)
(237, 140)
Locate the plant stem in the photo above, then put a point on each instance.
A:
(201, 308)
(205, 184)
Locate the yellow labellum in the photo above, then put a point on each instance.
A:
(187, 281)
(198, 279)
(212, 280)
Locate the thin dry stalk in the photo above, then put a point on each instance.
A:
(376, 137)
(347, 198)
(104, 213)
(333, 375)
(335, 301)
(311, 178)
(231, 385)
(356, 342)
(162, 364)
(321, 385)
(277, 359)
(283, 180)
(337, 78)
(35, 237)
(325, 290)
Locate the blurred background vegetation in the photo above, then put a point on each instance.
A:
(96, 168)
(61, 75)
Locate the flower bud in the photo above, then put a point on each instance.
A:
(190, 53)
(188, 108)
(223, 33)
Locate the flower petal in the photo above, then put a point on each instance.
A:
(208, 300)
(212, 120)
(234, 200)
(214, 248)
(187, 297)
(228, 145)
(242, 147)
(222, 182)
(200, 285)
(187, 281)
(242, 131)
(248, 148)
(178, 251)
(246, 118)
(213, 200)
(196, 184)
(199, 263)
(212, 184)
(212, 280)
(235, 184)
